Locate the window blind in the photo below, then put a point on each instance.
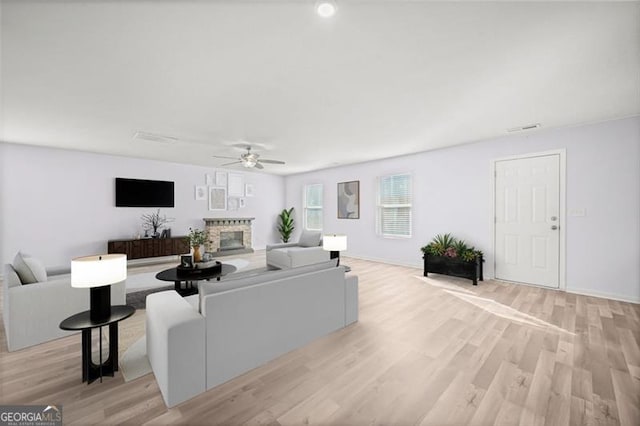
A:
(313, 207)
(394, 206)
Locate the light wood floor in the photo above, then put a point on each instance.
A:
(431, 352)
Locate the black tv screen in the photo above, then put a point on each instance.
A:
(144, 193)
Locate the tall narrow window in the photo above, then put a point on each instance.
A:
(313, 207)
(394, 206)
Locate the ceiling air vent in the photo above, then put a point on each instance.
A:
(153, 137)
(524, 128)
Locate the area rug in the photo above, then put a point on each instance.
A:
(144, 281)
(134, 363)
(138, 299)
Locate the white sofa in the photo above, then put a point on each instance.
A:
(307, 251)
(32, 312)
(236, 325)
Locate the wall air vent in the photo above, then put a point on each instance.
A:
(524, 128)
(153, 137)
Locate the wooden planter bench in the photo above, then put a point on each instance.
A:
(454, 267)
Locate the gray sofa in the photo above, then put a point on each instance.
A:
(307, 251)
(235, 325)
(32, 312)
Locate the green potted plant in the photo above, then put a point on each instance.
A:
(196, 238)
(285, 224)
(449, 256)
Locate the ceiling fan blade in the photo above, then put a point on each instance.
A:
(271, 161)
(228, 164)
(259, 166)
(220, 156)
(243, 145)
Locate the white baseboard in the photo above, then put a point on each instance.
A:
(583, 292)
(387, 261)
(604, 295)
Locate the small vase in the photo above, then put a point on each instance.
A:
(197, 257)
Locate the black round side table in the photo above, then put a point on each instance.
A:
(82, 321)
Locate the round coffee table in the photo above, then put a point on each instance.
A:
(188, 278)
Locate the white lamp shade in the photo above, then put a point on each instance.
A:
(334, 242)
(97, 271)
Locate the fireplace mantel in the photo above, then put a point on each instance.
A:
(214, 226)
(222, 221)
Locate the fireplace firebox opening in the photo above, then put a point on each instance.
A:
(231, 240)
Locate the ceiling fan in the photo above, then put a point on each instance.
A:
(249, 159)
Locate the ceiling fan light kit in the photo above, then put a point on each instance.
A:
(249, 160)
(326, 8)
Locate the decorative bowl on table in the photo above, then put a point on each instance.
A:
(200, 268)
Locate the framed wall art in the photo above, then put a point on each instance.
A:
(349, 200)
(248, 190)
(232, 203)
(236, 185)
(186, 261)
(217, 198)
(201, 193)
(221, 179)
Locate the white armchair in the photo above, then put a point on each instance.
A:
(307, 251)
(32, 312)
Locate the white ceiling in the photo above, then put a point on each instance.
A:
(379, 79)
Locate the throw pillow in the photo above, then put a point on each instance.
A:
(310, 239)
(10, 276)
(29, 270)
(37, 268)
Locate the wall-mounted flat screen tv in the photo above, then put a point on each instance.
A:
(144, 193)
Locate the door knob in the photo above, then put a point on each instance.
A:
(554, 227)
(553, 218)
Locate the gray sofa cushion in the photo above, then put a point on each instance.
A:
(310, 239)
(29, 269)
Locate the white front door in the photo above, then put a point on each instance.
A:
(527, 220)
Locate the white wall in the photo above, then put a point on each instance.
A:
(2, 210)
(60, 204)
(452, 193)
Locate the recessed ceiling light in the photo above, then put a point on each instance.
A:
(326, 8)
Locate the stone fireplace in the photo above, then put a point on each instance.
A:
(228, 235)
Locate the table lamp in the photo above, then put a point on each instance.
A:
(335, 244)
(97, 273)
